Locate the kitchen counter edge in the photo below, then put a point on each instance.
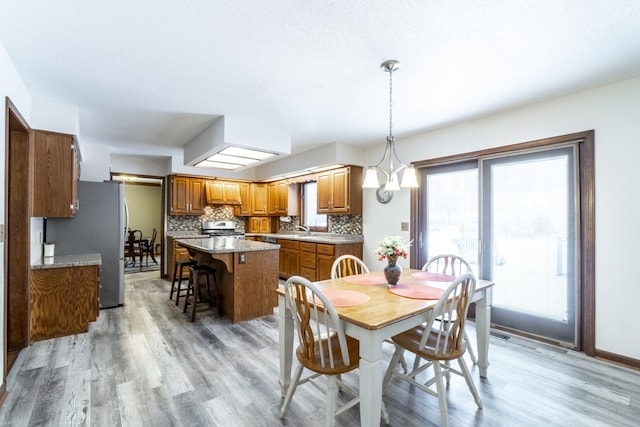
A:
(221, 245)
(61, 261)
(341, 239)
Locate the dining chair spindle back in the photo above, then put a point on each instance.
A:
(348, 265)
(436, 343)
(323, 348)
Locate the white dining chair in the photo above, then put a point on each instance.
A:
(452, 265)
(324, 348)
(436, 343)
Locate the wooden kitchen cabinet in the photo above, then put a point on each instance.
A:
(308, 261)
(312, 261)
(175, 252)
(259, 198)
(340, 191)
(187, 195)
(56, 166)
(262, 224)
(289, 263)
(222, 192)
(63, 301)
(278, 198)
(245, 199)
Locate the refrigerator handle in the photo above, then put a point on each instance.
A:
(126, 219)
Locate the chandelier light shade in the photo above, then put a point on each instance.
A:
(390, 158)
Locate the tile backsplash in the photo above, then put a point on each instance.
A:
(338, 224)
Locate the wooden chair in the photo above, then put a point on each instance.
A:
(323, 348)
(438, 342)
(133, 249)
(455, 266)
(148, 248)
(347, 265)
(447, 264)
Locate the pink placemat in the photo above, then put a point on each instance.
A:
(416, 291)
(365, 279)
(434, 277)
(345, 298)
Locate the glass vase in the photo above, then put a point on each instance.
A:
(392, 271)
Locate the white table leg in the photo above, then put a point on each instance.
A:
(371, 368)
(483, 326)
(285, 330)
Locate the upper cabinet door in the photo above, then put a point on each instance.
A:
(187, 196)
(222, 192)
(340, 191)
(245, 199)
(55, 174)
(259, 196)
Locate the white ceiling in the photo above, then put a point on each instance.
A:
(147, 75)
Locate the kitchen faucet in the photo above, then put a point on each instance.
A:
(303, 228)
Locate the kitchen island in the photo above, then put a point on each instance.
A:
(246, 272)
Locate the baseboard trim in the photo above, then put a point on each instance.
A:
(3, 393)
(618, 359)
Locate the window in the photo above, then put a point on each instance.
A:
(309, 201)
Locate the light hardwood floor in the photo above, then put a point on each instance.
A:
(145, 364)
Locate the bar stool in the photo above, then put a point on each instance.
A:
(179, 266)
(194, 291)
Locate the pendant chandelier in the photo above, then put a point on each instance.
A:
(390, 157)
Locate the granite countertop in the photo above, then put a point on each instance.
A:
(334, 239)
(182, 234)
(221, 245)
(60, 261)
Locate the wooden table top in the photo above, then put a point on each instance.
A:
(384, 307)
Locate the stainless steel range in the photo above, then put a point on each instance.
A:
(221, 229)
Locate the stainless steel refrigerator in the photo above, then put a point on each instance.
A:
(98, 227)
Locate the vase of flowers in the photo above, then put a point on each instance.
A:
(390, 248)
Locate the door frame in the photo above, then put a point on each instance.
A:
(586, 217)
(17, 227)
(163, 217)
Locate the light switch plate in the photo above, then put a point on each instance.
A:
(1, 232)
(404, 226)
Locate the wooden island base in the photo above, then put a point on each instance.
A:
(247, 281)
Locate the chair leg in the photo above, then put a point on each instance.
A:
(173, 282)
(179, 287)
(292, 389)
(469, 347)
(470, 383)
(332, 395)
(442, 398)
(196, 294)
(392, 366)
(190, 293)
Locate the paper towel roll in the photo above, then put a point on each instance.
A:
(48, 249)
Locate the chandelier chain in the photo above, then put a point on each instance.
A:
(391, 103)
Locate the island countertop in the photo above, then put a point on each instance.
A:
(221, 245)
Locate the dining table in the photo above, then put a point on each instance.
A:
(372, 311)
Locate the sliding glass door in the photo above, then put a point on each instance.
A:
(529, 241)
(513, 218)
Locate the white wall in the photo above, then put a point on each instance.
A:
(614, 113)
(11, 86)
